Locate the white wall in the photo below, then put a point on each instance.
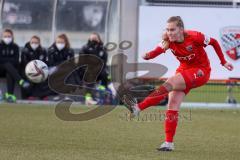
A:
(152, 21)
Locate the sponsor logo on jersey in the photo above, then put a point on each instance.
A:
(41, 57)
(189, 48)
(230, 39)
(186, 58)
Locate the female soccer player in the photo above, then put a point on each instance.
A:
(194, 71)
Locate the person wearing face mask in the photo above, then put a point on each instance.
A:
(95, 47)
(59, 52)
(31, 51)
(9, 64)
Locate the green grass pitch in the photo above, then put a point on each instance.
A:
(212, 93)
(30, 132)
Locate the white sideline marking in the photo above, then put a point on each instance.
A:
(209, 105)
(184, 104)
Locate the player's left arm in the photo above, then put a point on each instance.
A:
(204, 40)
(214, 43)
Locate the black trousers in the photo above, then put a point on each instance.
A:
(76, 78)
(12, 75)
(39, 90)
(103, 77)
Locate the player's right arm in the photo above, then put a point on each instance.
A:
(154, 53)
(161, 48)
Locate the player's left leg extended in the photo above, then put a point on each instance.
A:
(171, 119)
(174, 83)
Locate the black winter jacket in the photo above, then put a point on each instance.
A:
(28, 54)
(96, 49)
(9, 53)
(56, 57)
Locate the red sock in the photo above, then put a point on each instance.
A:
(151, 101)
(154, 98)
(171, 121)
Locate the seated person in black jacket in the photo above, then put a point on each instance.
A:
(9, 63)
(95, 47)
(59, 52)
(31, 51)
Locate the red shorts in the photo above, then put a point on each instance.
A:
(194, 77)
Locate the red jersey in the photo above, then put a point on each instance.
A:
(190, 52)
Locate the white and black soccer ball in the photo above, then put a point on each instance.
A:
(36, 71)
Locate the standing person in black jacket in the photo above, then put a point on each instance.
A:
(32, 51)
(9, 63)
(95, 47)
